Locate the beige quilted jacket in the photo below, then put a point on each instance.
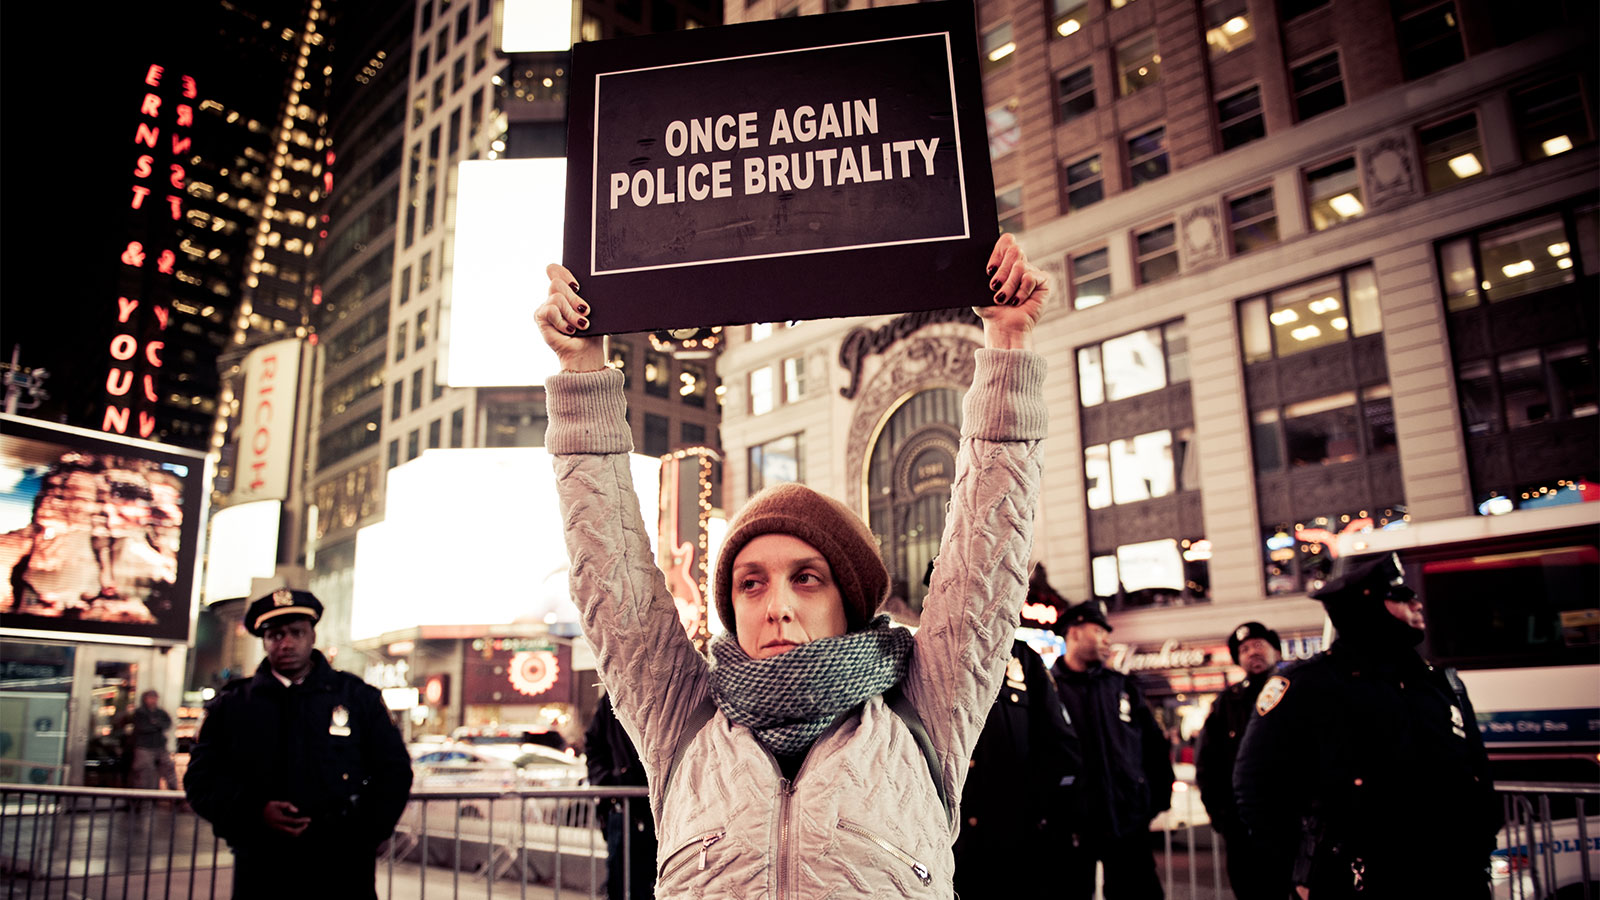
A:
(861, 818)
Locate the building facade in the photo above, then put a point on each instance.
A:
(1318, 267)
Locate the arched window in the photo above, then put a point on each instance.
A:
(912, 465)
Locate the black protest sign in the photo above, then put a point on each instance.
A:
(794, 169)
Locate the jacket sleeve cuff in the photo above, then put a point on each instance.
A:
(1006, 400)
(588, 413)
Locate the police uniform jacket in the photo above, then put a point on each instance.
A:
(1371, 755)
(326, 745)
(1127, 768)
(1020, 784)
(1219, 747)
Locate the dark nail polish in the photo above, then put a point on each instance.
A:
(571, 330)
(573, 285)
(992, 269)
(994, 285)
(583, 323)
(1000, 298)
(583, 308)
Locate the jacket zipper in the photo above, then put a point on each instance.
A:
(705, 847)
(917, 869)
(785, 793)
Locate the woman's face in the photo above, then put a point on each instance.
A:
(783, 596)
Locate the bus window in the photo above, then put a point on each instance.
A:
(1526, 607)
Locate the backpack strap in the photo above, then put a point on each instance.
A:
(902, 707)
(698, 717)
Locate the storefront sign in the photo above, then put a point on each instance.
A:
(863, 342)
(384, 676)
(713, 165)
(506, 676)
(1171, 655)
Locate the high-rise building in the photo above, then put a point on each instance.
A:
(1320, 266)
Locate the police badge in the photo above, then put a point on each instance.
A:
(340, 725)
(283, 597)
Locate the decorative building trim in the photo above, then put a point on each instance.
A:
(1389, 167)
(1200, 228)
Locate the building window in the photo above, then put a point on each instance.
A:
(998, 47)
(425, 272)
(463, 22)
(775, 462)
(1227, 27)
(427, 15)
(394, 453)
(657, 435)
(1085, 183)
(1452, 152)
(480, 54)
(435, 429)
(794, 379)
(1147, 156)
(1138, 64)
(1252, 221)
(657, 374)
(759, 331)
(1005, 133)
(438, 94)
(1133, 364)
(692, 433)
(1318, 86)
(1239, 118)
(1310, 315)
(1334, 193)
(761, 393)
(416, 390)
(441, 46)
(435, 389)
(422, 64)
(1091, 278)
(1157, 250)
(619, 353)
(1552, 118)
(400, 342)
(413, 444)
(397, 398)
(1166, 572)
(405, 285)
(422, 330)
(1008, 206)
(458, 425)
(454, 146)
(458, 74)
(1077, 94)
(1291, 9)
(475, 113)
(1518, 259)
(1429, 37)
(692, 383)
(1068, 16)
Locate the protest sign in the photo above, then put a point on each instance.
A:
(795, 169)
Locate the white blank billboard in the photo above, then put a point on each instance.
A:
(509, 216)
(473, 537)
(243, 545)
(534, 26)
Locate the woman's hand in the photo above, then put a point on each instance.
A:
(1020, 293)
(562, 318)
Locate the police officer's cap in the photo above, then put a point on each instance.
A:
(1250, 631)
(280, 606)
(1378, 578)
(1087, 611)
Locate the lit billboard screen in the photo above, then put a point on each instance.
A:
(98, 536)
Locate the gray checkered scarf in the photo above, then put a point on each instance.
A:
(788, 700)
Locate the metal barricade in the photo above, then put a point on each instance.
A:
(1546, 845)
(57, 842)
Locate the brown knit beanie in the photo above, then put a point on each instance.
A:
(824, 523)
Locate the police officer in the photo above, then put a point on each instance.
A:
(1020, 793)
(1257, 649)
(612, 760)
(1127, 767)
(298, 767)
(1371, 756)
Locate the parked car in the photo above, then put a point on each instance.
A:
(1511, 869)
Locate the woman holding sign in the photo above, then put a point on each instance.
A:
(813, 755)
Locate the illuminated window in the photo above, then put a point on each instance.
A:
(794, 378)
(1077, 94)
(998, 47)
(1008, 206)
(692, 383)
(1451, 151)
(1307, 316)
(619, 353)
(1157, 249)
(1318, 86)
(1133, 364)
(1138, 64)
(1429, 36)
(1252, 221)
(1147, 156)
(422, 330)
(1068, 16)
(761, 390)
(1552, 118)
(657, 374)
(775, 462)
(1084, 183)
(1005, 132)
(1091, 278)
(1239, 118)
(1333, 193)
(1227, 27)
(759, 331)
(438, 94)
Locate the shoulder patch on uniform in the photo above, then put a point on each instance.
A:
(1271, 693)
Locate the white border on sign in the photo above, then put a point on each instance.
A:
(961, 172)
